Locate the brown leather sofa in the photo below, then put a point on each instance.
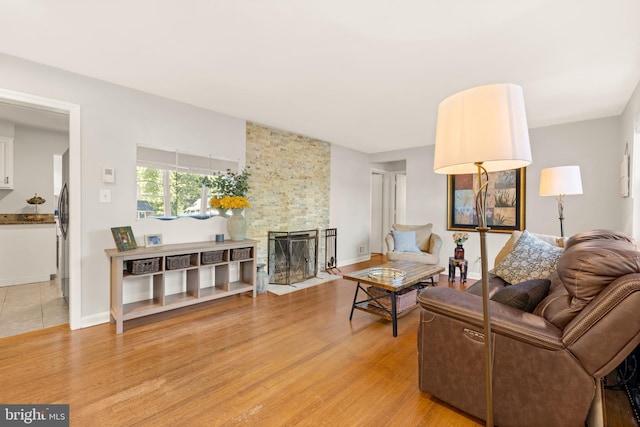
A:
(546, 364)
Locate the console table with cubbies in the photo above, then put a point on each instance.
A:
(147, 281)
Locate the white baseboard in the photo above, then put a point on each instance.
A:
(95, 319)
(363, 258)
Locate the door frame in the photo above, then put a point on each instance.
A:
(75, 181)
(377, 217)
(389, 202)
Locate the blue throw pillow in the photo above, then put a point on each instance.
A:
(404, 241)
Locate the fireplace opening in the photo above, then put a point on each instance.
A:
(293, 256)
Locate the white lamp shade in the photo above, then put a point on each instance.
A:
(486, 124)
(561, 180)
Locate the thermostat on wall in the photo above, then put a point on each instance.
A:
(108, 175)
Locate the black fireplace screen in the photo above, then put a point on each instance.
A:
(293, 256)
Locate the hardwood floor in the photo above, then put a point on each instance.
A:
(270, 361)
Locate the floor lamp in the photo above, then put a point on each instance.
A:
(559, 182)
(482, 130)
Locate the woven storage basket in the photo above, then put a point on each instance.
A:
(143, 266)
(178, 261)
(405, 298)
(212, 257)
(240, 254)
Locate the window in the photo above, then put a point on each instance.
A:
(171, 184)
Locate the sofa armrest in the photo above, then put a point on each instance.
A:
(607, 327)
(507, 321)
(435, 244)
(389, 241)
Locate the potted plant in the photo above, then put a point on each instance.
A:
(230, 193)
(459, 238)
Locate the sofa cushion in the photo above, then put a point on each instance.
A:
(404, 241)
(591, 262)
(531, 258)
(524, 296)
(423, 234)
(494, 284)
(590, 236)
(508, 246)
(590, 265)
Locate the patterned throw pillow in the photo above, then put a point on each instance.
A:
(404, 241)
(531, 258)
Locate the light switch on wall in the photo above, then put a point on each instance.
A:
(108, 175)
(105, 195)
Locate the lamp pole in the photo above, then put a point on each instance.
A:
(560, 199)
(480, 193)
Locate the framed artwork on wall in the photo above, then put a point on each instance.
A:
(505, 201)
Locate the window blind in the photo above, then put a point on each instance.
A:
(183, 162)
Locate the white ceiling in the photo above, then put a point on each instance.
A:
(365, 74)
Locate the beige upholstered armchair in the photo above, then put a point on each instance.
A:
(547, 362)
(426, 245)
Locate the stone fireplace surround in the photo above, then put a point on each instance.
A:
(289, 185)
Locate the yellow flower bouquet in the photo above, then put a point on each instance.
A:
(229, 202)
(230, 191)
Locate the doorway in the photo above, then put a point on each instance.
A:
(73, 112)
(388, 202)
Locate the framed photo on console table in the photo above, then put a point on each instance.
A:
(123, 236)
(505, 201)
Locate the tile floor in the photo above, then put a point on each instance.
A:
(25, 308)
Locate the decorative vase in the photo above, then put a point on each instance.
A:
(237, 225)
(459, 252)
(262, 279)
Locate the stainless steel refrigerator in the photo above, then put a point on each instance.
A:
(63, 224)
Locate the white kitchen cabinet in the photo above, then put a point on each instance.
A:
(6, 163)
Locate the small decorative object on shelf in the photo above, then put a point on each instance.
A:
(459, 238)
(36, 200)
(123, 236)
(262, 279)
(393, 275)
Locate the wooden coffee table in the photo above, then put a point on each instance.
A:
(416, 273)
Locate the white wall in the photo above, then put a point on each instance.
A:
(594, 146)
(350, 202)
(591, 144)
(33, 169)
(114, 120)
(630, 212)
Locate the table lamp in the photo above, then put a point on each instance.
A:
(482, 130)
(559, 182)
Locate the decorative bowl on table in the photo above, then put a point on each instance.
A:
(392, 275)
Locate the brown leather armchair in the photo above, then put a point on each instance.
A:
(546, 364)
